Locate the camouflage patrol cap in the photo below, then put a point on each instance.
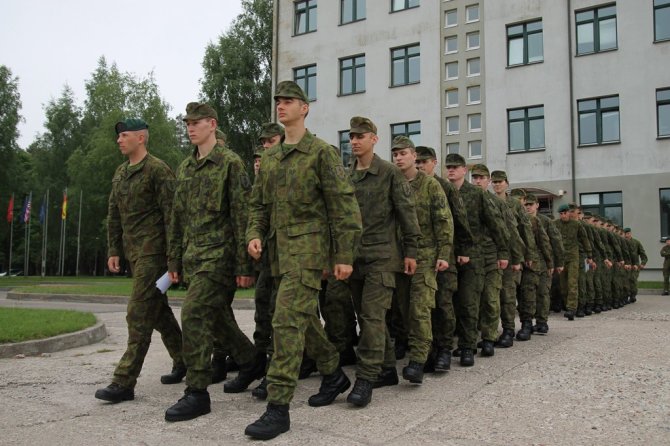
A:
(359, 124)
(563, 208)
(454, 159)
(498, 175)
(588, 214)
(199, 110)
(130, 125)
(270, 129)
(258, 151)
(402, 142)
(289, 89)
(626, 230)
(531, 199)
(425, 153)
(480, 170)
(518, 192)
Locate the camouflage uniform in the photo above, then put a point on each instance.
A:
(640, 259)
(665, 253)
(138, 215)
(301, 198)
(544, 286)
(385, 199)
(530, 281)
(574, 236)
(337, 310)
(207, 244)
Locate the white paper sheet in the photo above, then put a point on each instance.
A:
(163, 284)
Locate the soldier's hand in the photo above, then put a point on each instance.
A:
(113, 264)
(342, 271)
(441, 265)
(517, 267)
(244, 281)
(255, 248)
(410, 266)
(502, 264)
(559, 270)
(642, 266)
(173, 276)
(550, 271)
(462, 260)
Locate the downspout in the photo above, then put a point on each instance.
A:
(572, 109)
(275, 56)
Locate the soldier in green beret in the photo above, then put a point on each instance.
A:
(302, 204)
(138, 215)
(207, 248)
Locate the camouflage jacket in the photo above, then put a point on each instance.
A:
(139, 209)
(599, 250)
(665, 253)
(574, 237)
(542, 245)
(517, 248)
(524, 228)
(303, 207)
(554, 238)
(435, 222)
(463, 240)
(638, 252)
(209, 216)
(386, 201)
(615, 246)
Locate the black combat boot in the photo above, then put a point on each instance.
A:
(615, 304)
(633, 298)
(541, 328)
(307, 367)
(597, 309)
(194, 403)
(506, 338)
(219, 369)
(580, 312)
(413, 372)
(525, 332)
(467, 357)
(331, 386)
(248, 373)
(261, 391)
(231, 364)
(606, 307)
(443, 360)
(175, 376)
(273, 422)
(115, 393)
(588, 311)
(487, 348)
(361, 394)
(570, 314)
(387, 377)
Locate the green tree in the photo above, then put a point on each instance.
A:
(237, 76)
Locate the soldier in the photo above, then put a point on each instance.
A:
(138, 215)
(302, 204)
(443, 317)
(386, 203)
(665, 253)
(416, 294)
(271, 134)
(206, 240)
(639, 260)
(490, 240)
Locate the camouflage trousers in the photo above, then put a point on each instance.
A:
(666, 279)
(606, 284)
(415, 299)
(443, 319)
(590, 286)
(510, 281)
(466, 303)
(147, 310)
(530, 281)
(489, 304)
(207, 315)
(598, 283)
(372, 294)
(337, 310)
(543, 296)
(297, 327)
(265, 295)
(220, 348)
(582, 295)
(632, 284)
(569, 286)
(617, 282)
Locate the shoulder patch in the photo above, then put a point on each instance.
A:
(338, 171)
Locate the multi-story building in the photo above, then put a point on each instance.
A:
(570, 97)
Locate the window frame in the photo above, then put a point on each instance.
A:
(354, 12)
(456, 119)
(471, 128)
(353, 69)
(601, 206)
(407, 131)
(305, 84)
(446, 70)
(446, 15)
(657, 8)
(447, 103)
(596, 29)
(526, 120)
(469, 101)
(467, 41)
(452, 144)
(406, 57)
(467, 67)
(469, 8)
(481, 149)
(599, 125)
(664, 213)
(453, 38)
(345, 147)
(662, 103)
(524, 35)
(308, 6)
(407, 5)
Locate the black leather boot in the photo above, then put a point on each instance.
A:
(570, 314)
(115, 393)
(219, 369)
(467, 357)
(487, 348)
(175, 376)
(413, 372)
(194, 403)
(361, 394)
(525, 332)
(331, 386)
(261, 391)
(506, 338)
(387, 377)
(248, 373)
(443, 360)
(273, 422)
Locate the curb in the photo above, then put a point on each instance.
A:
(238, 304)
(87, 336)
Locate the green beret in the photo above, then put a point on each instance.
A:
(402, 142)
(270, 129)
(199, 110)
(425, 153)
(359, 124)
(518, 192)
(480, 170)
(130, 125)
(498, 175)
(626, 229)
(563, 208)
(289, 89)
(258, 151)
(454, 159)
(531, 199)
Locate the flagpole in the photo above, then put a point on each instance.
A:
(11, 239)
(45, 228)
(64, 228)
(30, 204)
(81, 195)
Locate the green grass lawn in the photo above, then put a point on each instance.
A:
(21, 324)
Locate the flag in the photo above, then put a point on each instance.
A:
(43, 210)
(10, 210)
(63, 212)
(25, 215)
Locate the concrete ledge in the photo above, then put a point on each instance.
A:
(89, 335)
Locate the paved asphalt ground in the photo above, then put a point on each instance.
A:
(602, 380)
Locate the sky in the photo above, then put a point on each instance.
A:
(50, 43)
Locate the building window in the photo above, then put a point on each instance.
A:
(412, 130)
(351, 11)
(305, 17)
(399, 5)
(472, 40)
(598, 120)
(596, 29)
(450, 18)
(345, 147)
(450, 45)
(453, 147)
(474, 95)
(524, 43)
(451, 70)
(405, 65)
(475, 123)
(661, 20)
(472, 13)
(451, 98)
(453, 125)
(352, 75)
(665, 212)
(475, 149)
(663, 112)
(474, 67)
(525, 128)
(306, 78)
(605, 204)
